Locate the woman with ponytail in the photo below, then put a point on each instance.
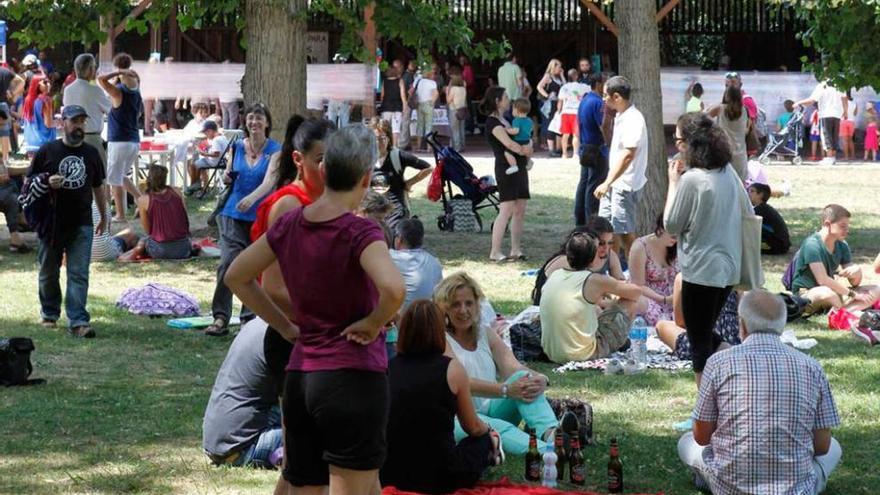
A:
(700, 210)
(38, 114)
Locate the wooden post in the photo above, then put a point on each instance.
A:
(600, 16)
(369, 36)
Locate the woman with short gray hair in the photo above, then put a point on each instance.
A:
(336, 397)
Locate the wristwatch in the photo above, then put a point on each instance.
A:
(503, 390)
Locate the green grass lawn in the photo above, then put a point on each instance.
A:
(122, 413)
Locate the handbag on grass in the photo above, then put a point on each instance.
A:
(751, 275)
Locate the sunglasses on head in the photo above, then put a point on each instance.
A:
(732, 75)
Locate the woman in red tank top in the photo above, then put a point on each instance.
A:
(164, 219)
(298, 182)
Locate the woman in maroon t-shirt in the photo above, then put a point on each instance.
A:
(343, 288)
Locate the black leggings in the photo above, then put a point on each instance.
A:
(701, 306)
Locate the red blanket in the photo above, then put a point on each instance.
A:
(503, 487)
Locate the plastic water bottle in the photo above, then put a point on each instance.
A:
(548, 476)
(530, 273)
(638, 341)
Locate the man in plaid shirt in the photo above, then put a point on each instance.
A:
(763, 420)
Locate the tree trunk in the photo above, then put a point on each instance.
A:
(275, 63)
(639, 54)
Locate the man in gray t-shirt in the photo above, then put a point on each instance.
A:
(242, 424)
(420, 269)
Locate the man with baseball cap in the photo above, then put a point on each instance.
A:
(74, 174)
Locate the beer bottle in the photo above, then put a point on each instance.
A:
(615, 470)
(561, 458)
(533, 459)
(576, 466)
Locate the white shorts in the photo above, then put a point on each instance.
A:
(120, 158)
(395, 119)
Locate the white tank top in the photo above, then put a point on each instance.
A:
(478, 363)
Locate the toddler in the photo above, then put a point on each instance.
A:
(521, 130)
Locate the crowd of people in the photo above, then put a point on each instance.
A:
(339, 366)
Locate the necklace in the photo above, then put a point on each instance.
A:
(253, 154)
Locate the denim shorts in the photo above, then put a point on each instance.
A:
(619, 208)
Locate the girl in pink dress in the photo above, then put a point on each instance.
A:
(653, 266)
(871, 137)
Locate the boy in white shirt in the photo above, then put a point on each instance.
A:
(570, 95)
(208, 157)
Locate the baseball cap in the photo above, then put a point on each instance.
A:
(209, 125)
(72, 111)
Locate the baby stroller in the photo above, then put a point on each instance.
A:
(778, 142)
(461, 212)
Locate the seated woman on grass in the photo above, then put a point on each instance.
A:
(574, 327)
(505, 392)
(674, 335)
(429, 390)
(163, 217)
(653, 267)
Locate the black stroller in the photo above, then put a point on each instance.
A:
(461, 212)
(786, 142)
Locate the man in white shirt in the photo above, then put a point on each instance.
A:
(570, 95)
(85, 93)
(833, 106)
(425, 89)
(627, 161)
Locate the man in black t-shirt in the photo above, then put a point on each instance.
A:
(75, 176)
(774, 231)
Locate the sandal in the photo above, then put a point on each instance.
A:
(82, 332)
(220, 328)
(503, 259)
(47, 323)
(518, 257)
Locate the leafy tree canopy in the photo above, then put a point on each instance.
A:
(416, 24)
(841, 32)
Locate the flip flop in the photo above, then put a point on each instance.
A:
(503, 259)
(215, 330)
(519, 257)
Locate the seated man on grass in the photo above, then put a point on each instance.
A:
(242, 424)
(421, 270)
(763, 420)
(824, 272)
(573, 327)
(774, 231)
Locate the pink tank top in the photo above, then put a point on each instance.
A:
(167, 215)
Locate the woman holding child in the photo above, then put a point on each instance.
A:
(513, 189)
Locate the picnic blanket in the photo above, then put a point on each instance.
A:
(502, 487)
(194, 322)
(656, 361)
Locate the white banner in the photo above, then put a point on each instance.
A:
(769, 89)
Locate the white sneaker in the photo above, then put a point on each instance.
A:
(511, 170)
(828, 160)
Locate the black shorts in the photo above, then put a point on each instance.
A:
(333, 418)
(514, 186)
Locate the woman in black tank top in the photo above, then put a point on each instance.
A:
(428, 391)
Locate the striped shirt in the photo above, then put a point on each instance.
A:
(766, 399)
(103, 249)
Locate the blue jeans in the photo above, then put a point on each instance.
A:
(257, 454)
(594, 170)
(79, 253)
(505, 414)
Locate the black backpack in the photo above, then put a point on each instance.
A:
(15, 362)
(794, 306)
